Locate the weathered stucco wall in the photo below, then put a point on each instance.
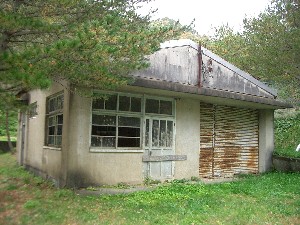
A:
(266, 139)
(38, 158)
(187, 137)
(85, 167)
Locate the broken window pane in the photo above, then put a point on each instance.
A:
(152, 106)
(165, 107)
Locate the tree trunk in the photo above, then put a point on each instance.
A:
(10, 145)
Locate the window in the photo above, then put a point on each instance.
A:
(32, 110)
(159, 133)
(159, 106)
(117, 122)
(54, 120)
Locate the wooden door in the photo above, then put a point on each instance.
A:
(159, 144)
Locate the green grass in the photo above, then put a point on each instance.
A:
(4, 138)
(272, 198)
(287, 135)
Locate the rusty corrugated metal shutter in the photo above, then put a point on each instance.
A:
(206, 139)
(228, 141)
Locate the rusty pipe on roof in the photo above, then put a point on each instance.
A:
(199, 66)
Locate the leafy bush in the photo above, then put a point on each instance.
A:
(287, 135)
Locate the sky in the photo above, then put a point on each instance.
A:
(207, 13)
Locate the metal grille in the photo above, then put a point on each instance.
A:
(228, 141)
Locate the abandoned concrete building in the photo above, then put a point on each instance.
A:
(190, 114)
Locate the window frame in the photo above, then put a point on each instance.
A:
(32, 110)
(54, 114)
(142, 115)
(117, 113)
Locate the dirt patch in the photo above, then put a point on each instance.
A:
(11, 205)
(113, 191)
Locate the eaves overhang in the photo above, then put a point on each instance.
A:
(221, 94)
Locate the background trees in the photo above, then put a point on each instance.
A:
(268, 47)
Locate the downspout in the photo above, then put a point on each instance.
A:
(199, 66)
(23, 130)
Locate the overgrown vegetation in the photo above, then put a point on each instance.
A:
(272, 198)
(287, 134)
(95, 44)
(267, 47)
(13, 123)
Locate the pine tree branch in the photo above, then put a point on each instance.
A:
(20, 41)
(30, 32)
